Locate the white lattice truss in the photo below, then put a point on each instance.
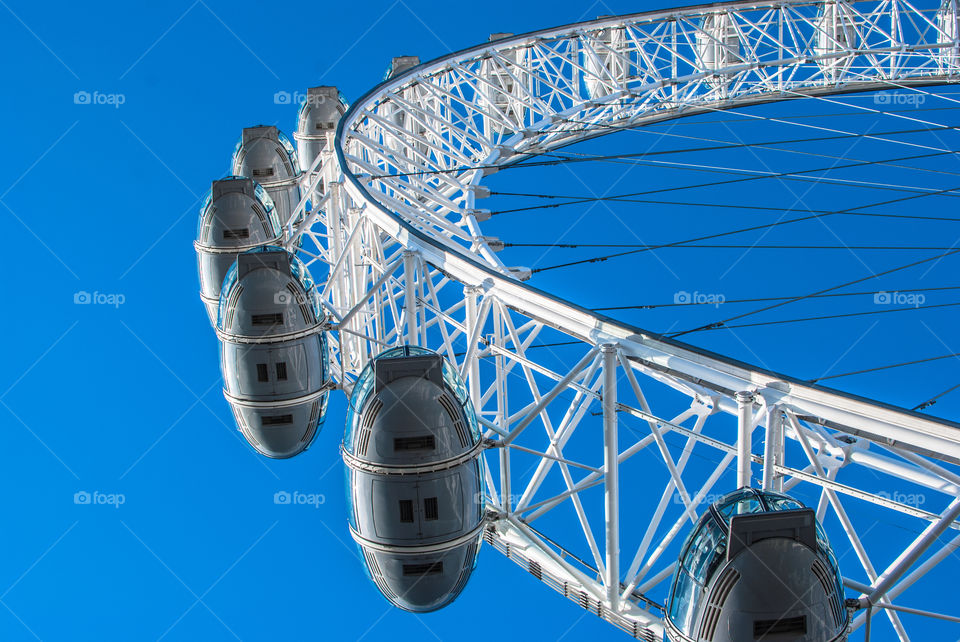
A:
(395, 223)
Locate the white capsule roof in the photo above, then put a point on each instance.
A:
(237, 215)
(400, 64)
(430, 417)
(319, 115)
(268, 292)
(267, 156)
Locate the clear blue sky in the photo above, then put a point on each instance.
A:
(123, 401)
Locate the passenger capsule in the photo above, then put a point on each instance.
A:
(319, 115)
(949, 57)
(718, 45)
(400, 64)
(835, 34)
(607, 65)
(412, 449)
(238, 215)
(410, 130)
(757, 566)
(267, 156)
(273, 352)
(506, 90)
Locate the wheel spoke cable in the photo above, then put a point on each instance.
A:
(651, 306)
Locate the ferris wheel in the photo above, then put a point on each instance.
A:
(374, 242)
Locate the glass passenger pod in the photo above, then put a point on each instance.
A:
(399, 65)
(757, 565)
(718, 45)
(506, 90)
(409, 407)
(273, 355)
(419, 532)
(408, 140)
(237, 215)
(267, 156)
(947, 24)
(318, 116)
(396, 114)
(835, 33)
(607, 64)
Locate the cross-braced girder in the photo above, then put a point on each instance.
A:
(574, 432)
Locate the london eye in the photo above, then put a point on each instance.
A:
(487, 410)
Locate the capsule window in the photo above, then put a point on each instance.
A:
(430, 568)
(274, 318)
(239, 233)
(420, 442)
(763, 628)
(262, 374)
(281, 371)
(276, 420)
(406, 511)
(431, 509)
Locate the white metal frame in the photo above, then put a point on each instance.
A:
(399, 231)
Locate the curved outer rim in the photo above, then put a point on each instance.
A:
(707, 368)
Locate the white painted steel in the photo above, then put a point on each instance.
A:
(398, 222)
